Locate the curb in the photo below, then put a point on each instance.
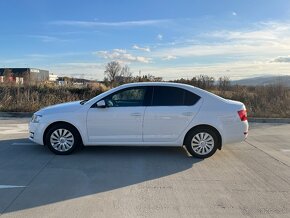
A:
(16, 114)
(268, 120)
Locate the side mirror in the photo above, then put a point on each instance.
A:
(101, 104)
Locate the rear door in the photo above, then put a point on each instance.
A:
(170, 112)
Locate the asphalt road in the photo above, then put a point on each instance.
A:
(249, 179)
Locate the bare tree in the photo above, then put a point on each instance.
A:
(113, 69)
(26, 77)
(205, 82)
(126, 74)
(224, 83)
(7, 75)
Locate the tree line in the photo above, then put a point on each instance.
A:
(116, 74)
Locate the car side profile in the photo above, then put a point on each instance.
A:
(143, 114)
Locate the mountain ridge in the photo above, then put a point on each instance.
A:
(264, 80)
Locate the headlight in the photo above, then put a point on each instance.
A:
(36, 118)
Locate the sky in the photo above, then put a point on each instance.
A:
(171, 39)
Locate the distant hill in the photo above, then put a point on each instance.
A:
(263, 80)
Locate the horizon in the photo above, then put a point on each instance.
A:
(171, 40)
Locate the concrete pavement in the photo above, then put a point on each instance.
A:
(250, 179)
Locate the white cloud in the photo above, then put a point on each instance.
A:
(87, 70)
(261, 32)
(234, 13)
(55, 55)
(284, 59)
(111, 24)
(160, 36)
(265, 40)
(79, 64)
(244, 35)
(147, 49)
(117, 50)
(169, 57)
(235, 70)
(122, 56)
(45, 38)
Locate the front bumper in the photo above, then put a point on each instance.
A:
(36, 131)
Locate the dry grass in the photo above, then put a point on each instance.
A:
(264, 101)
(32, 98)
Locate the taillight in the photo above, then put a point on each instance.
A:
(243, 115)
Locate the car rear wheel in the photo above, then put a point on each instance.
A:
(201, 142)
(62, 139)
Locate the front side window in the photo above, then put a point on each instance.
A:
(127, 98)
(173, 96)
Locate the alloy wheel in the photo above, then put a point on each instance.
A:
(62, 140)
(202, 143)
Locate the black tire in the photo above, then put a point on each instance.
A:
(72, 142)
(210, 146)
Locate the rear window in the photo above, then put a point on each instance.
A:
(172, 96)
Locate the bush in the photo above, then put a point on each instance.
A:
(262, 101)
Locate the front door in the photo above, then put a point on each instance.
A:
(121, 119)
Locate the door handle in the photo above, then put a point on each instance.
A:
(136, 114)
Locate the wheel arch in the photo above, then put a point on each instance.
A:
(208, 127)
(59, 123)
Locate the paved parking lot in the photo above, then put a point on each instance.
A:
(249, 179)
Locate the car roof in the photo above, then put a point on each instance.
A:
(172, 84)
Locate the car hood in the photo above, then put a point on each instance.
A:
(61, 108)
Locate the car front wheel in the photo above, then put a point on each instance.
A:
(62, 139)
(202, 142)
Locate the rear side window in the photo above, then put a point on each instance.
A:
(190, 98)
(172, 96)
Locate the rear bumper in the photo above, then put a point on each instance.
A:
(246, 134)
(236, 132)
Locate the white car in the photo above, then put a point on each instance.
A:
(143, 114)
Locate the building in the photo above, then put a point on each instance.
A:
(53, 77)
(65, 80)
(23, 75)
